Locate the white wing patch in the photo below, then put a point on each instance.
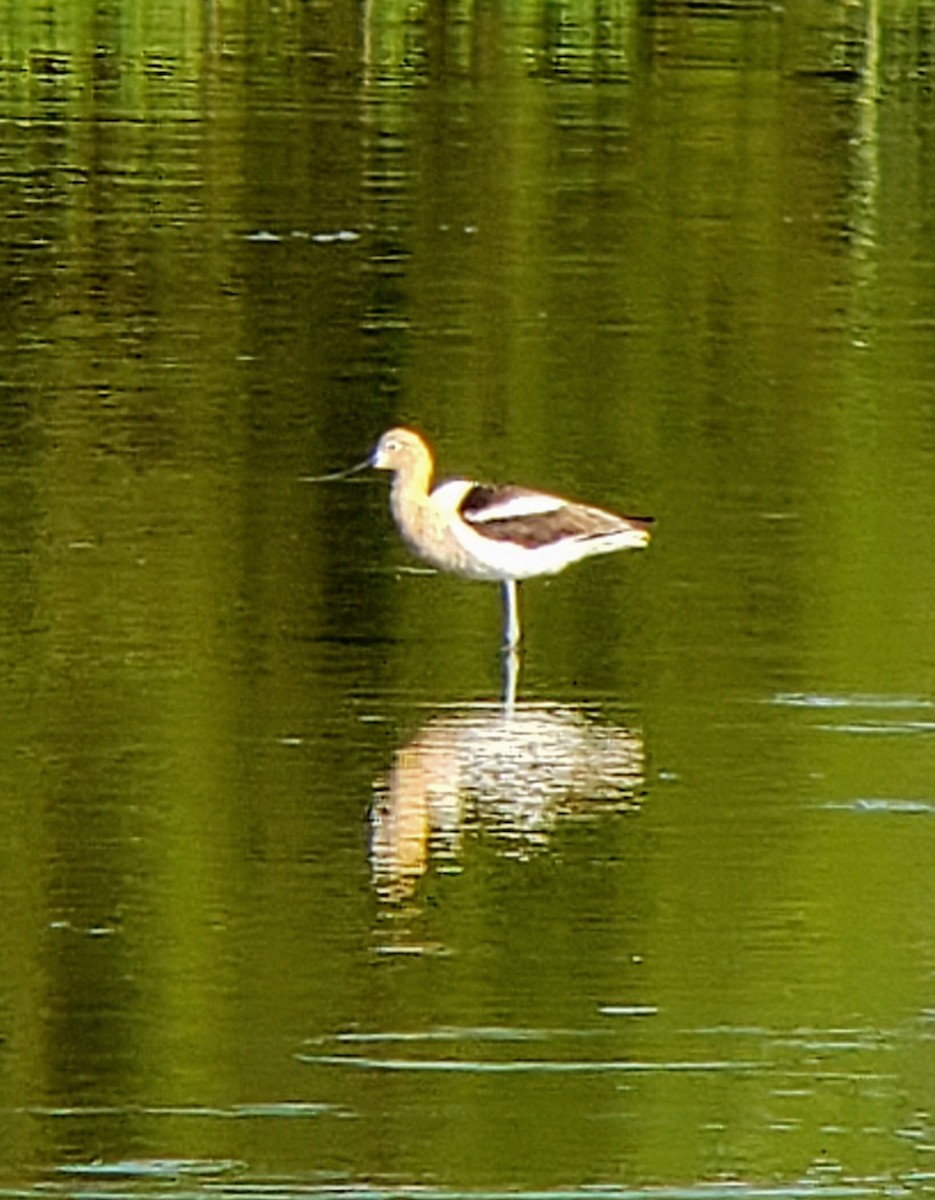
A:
(525, 504)
(448, 495)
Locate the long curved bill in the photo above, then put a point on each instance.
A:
(361, 466)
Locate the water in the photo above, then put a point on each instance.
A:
(291, 904)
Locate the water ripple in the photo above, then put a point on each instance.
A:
(523, 1066)
(882, 804)
(850, 700)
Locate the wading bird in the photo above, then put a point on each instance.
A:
(500, 533)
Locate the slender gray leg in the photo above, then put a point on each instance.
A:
(510, 676)
(511, 634)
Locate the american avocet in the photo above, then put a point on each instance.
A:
(500, 533)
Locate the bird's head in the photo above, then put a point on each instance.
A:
(400, 450)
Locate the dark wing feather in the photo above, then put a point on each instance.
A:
(534, 529)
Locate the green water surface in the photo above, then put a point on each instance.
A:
(290, 904)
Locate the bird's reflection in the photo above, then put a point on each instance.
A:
(513, 769)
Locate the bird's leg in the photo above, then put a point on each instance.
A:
(511, 634)
(510, 678)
